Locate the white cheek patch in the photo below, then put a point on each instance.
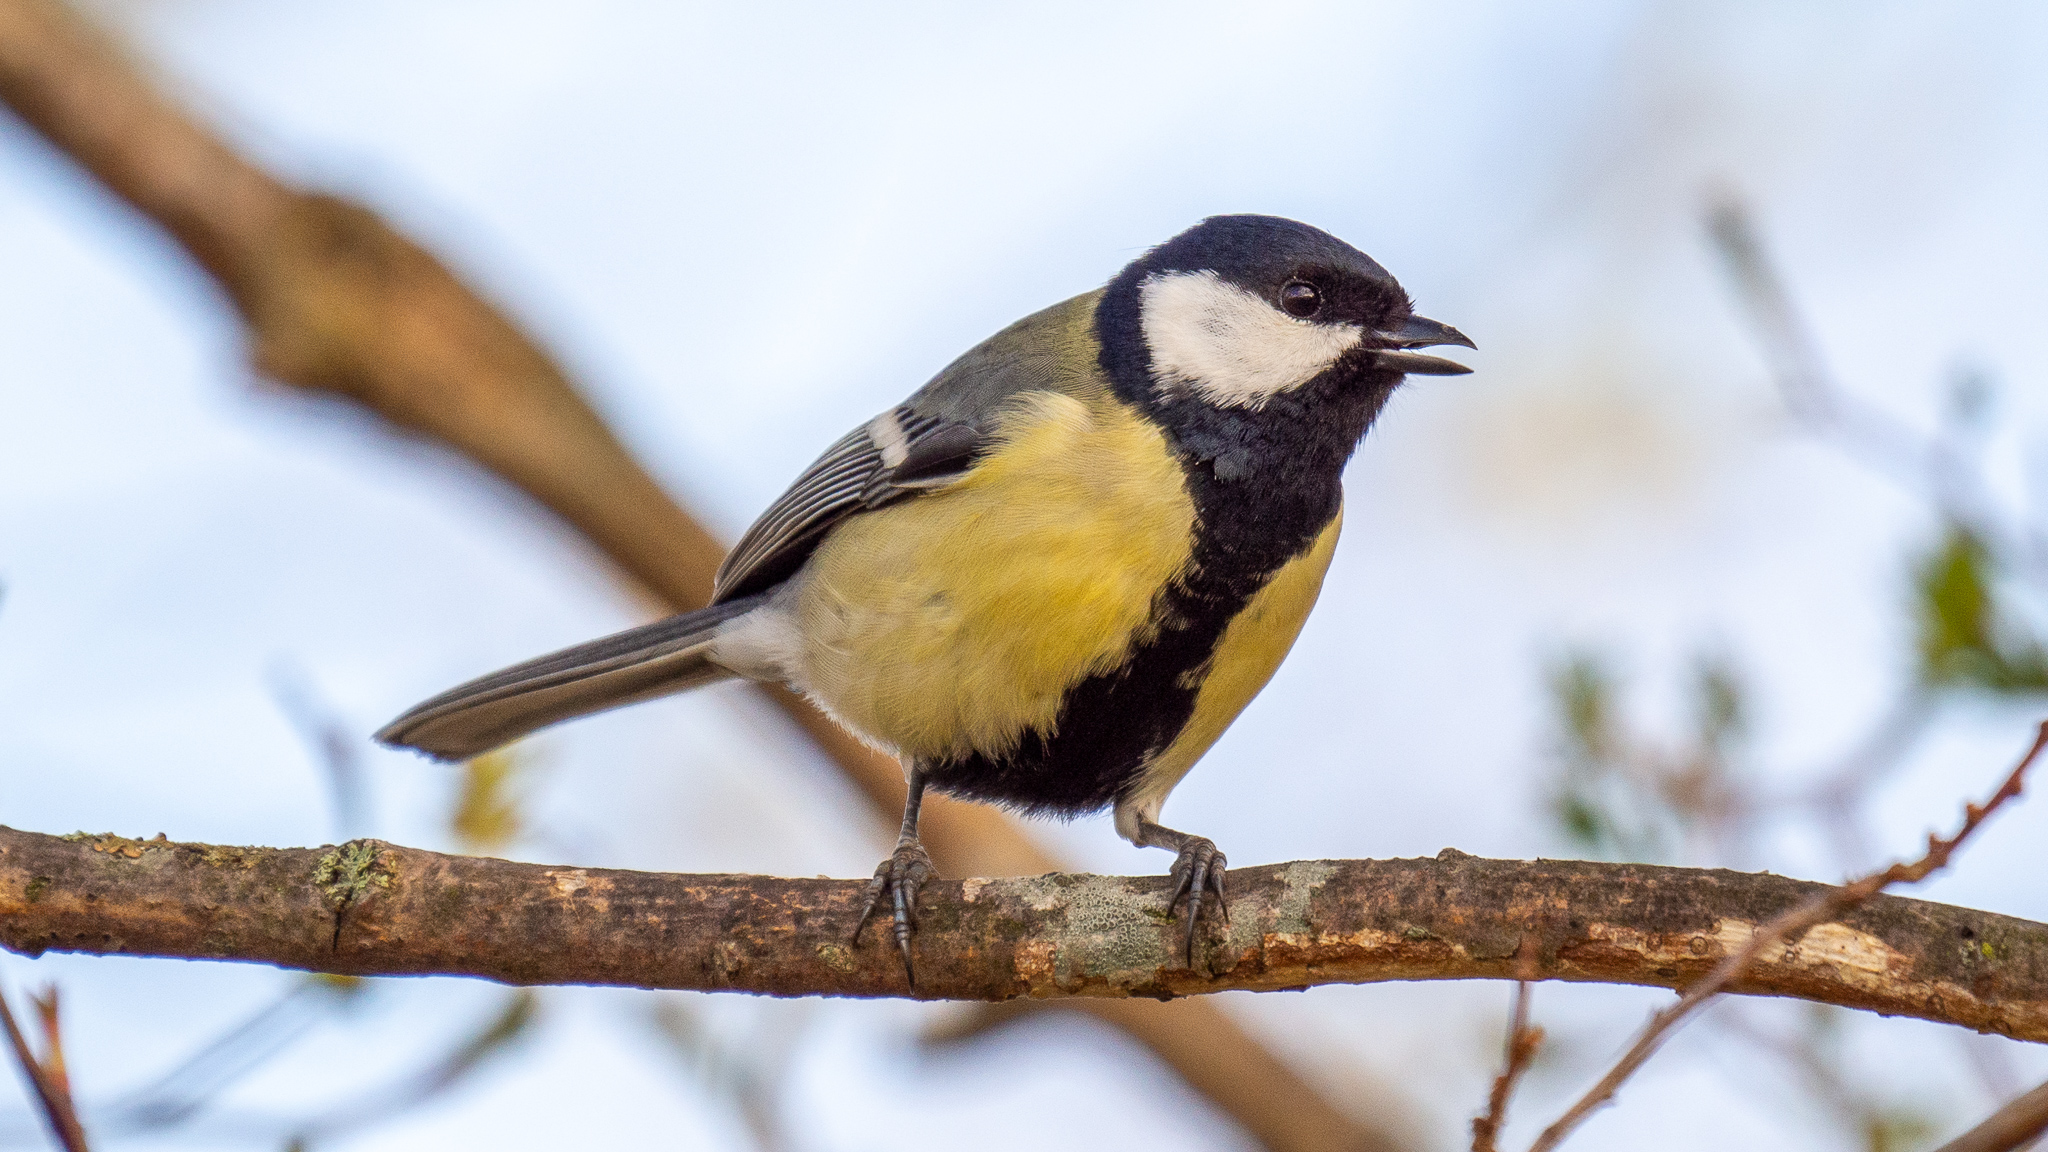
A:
(1229, 346)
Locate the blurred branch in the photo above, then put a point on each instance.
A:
(337, 301)
(46, 1076)
(177, 1095)
(513, 1019)
(333, 744)
(1813, 1051)
(1815, 399)
(2012, 1127)
(1519, 1052)
(1823, 907)
(749, 1076)
(369, 908)
(1239, 1075)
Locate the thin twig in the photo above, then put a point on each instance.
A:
(176, 1095)
(1816, 401)
(46, 1076)
(1854, 1110)
(513, 1020)
(1822, 908)
(1520, 1052)
(2009, 1129)
(338, 749)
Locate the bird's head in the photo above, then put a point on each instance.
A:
(1240, 310)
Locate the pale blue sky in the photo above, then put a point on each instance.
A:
(634, 180)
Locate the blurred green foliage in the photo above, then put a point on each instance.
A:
(1968, 640)
(1617, 796)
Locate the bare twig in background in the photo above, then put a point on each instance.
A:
(1973, 640)
(513, 1019)
(1931, 463)
(369, 908)
(336, 747)
(46, 1076)
(1810, 1050)
(1809, 388)
(1821, 908)
(748, 1077)
(337, 301)
(1519, 1052)
(2012, 1127)
(1243, 1078)
(178, 1094)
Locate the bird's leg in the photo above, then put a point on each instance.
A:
(900, 876)
(1197, 871)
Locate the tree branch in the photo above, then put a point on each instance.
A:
(370, 908)
(1825, 906)
(336, 300)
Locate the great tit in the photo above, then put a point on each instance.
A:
(1052, 576)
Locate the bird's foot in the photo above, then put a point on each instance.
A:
(1197, 872)
(895, 887)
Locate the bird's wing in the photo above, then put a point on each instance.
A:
(900, 453)
(927, 442)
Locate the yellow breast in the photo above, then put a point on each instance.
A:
(1247, 655)
(955, 622)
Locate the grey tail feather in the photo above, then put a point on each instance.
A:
(638, 664)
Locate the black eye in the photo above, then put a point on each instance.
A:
(1300, 299)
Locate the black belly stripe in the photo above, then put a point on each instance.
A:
(1263, 492)
(1109, 724)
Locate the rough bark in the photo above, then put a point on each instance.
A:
(370, 908)
(336, 300)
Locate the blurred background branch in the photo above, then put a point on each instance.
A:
(45, 1074)
(1623, 795)
(2016, 1126)
(1804, 590)
(1793, 924)
(335, 300)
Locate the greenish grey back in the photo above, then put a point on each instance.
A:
(1051, 350)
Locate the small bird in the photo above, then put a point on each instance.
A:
(1052, 576)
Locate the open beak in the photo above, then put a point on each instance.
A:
(1421, 332)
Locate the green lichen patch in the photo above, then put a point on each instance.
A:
(351, 872)
(121, 846)
(229, 856)
(37, 885)
(1111, 931)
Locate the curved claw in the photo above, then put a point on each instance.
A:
(896, 884)
(1198, 871)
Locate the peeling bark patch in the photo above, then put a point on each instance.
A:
(122, 846)
(1845, 947)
